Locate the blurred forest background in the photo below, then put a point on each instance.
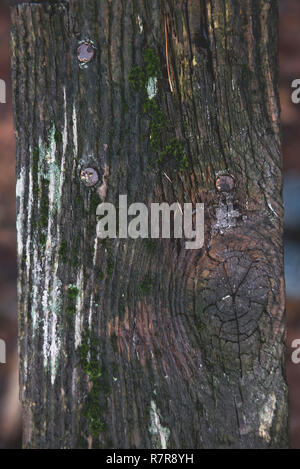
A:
(10, 436)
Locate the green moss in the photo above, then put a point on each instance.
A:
(139, 77)
(88, 353)
(35, 161)
(152, 65)
(89, 358)
(63, 250)
(93, 369)
(44, 204)
(109, 268)
(58, 137)
(72, 292)
(92, 409)
(157, 123)
(174, 150)
(91, 412)
(70, 310)
(84, 350)
(100, 276)
(199, 325)
(94, 202)
(43, 239)
(146, 284)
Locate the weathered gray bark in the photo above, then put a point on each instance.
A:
(131, 344)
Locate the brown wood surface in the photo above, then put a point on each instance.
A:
(126, 343)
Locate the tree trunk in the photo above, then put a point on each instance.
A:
(142, 343)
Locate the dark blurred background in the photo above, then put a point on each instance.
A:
(10, 435)
(9, 407)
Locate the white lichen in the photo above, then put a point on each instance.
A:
(75, 134)
(20, 189)
(226, 297)
(160, 435)
(49, 170)
(226, 217)
(29, 219)
(266, 418)
(55, 341)
(56, 183)
(140, 24)
(92, 294)
(79, 306)
(272, 210)
(52, 296)
(152, 87)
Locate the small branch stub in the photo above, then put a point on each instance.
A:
(85, 52)
(225, 183)
(89, 177)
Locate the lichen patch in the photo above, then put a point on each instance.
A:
(226, 217)
(266, 417)
(159, 435)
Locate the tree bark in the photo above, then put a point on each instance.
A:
(142, 343)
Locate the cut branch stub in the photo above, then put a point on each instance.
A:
(225, 183)
(89, 177)
(85, 52)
